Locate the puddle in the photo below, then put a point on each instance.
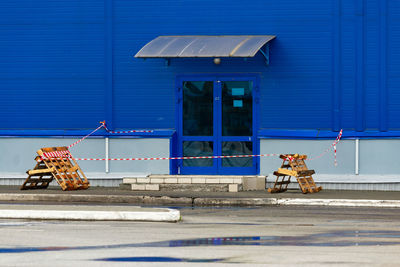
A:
(214, 208)
(227, 223)
(9, 223)
(158, 259)
(329, 239)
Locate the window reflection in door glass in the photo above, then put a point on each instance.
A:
(197, 149)
(237, 148)
(237, 108)
(198, 108)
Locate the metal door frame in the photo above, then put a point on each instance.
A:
(217, 137)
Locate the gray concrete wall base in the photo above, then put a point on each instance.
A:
(367, 170)
(357, 164)
(22, 151)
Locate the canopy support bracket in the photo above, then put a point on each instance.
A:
(265, 54)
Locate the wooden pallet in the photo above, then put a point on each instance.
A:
(294, 165)
(62, 167)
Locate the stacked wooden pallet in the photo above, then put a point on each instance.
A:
(55, 163)
(294, 165)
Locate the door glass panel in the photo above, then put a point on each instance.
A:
(197, 149)
(237, 108)
(237, 148)
(198, 108)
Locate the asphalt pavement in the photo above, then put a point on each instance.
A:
(101, 203)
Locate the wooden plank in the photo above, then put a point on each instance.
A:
(276, 173)
(52, 149)
(33, 172)
(284, 157)
(296, 156)
(287, 172)
(282, 183)
(276, 190)
(305, 172)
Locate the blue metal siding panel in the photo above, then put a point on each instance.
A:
(371, 61)
(51, 67)
(336, 65)
(108, 63)
(300, 58)
(348, 73)
(53, 57)
(383, 40)
(393, 63)
(359, 34)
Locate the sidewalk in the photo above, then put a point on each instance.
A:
(104, 195)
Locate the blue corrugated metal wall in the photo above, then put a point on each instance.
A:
(51, 64)
(334, 63)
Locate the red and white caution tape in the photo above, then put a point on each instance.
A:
(103, 124)
(171, 158)
(124, 132)
(66, 154)
(80, 140)
(57, 154)
(333, 145)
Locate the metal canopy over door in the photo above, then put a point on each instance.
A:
(217, 116)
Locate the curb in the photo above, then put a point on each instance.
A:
(296, 202)
(55, 198)
(198, 201)
(234, 201)
(51, 212)
(340, 202)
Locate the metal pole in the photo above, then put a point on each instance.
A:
(107, 155)
(357, 159)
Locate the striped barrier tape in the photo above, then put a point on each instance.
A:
(68, 155)
(333, 145)
(57, 154)
(103, 124)
(80, 140)
(178, 158)
(124, 132)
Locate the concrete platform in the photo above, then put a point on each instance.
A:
(203, 183)
(86, 212)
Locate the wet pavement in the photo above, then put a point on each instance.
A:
(116, 191)
(328, 239)
(244, 236)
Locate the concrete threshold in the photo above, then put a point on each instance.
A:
(85, 212)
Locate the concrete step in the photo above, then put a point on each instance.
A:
(209, 183)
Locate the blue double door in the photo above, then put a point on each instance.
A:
(216, 116)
